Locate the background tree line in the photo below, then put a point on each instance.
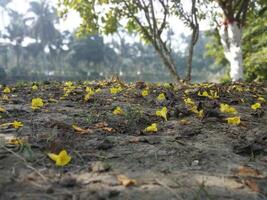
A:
(51, 52)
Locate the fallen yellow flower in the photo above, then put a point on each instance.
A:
(5, 97)
(61, 159)
(89, 90)
(233, 120)
(261, 99)
(115, 90)
(161, 97)
(34, 87)
(118, 111)
(203, 94)
(225, 108)
(213, 95)
(6, 90)
(255, 106)
(17, 124)
(152, 128)
(98, 90)
(162, 113)
(37, 103)
(144, 92)
(68, 83)
(189, 102)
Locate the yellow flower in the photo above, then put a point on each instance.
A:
(89, 90)
(233, 120)
(145, 92)
(98, 90)
(225, 108)
(203, 94)
(17, 124)
(34, 87)
(255, 106)
(261, 99)
(166, 85)
(152, 128)
(115, 90)
(161, 97)
(200, 113)
(61, 159)
(189, 102)
(213, 95)
(68, 83)
(118, 111)
(5, 97)
(6, 90)
(37, 103)
(162, 113)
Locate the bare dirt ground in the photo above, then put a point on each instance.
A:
(189, 157)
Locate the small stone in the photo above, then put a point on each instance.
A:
(100, 166)
(195, 163)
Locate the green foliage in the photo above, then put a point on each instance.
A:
(255, 47)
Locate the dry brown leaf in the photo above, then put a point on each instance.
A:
(81, 130)
(252, 185)
(101, 125)
(184, 122)
(246, 171)
(125, 181)
(108, 129)
(134, 139)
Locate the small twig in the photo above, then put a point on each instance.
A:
(168, 188)
(26, 164)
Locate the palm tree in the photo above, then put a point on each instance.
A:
(43, 25)
(16, 32)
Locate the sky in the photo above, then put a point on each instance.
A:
(73, 20)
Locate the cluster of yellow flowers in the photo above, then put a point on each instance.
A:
(68, 88)
(211, 94)
(37, 103)
(115, 90)
(225, 108)
(193, 107)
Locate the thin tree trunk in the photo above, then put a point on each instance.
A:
(169, 64)
(231, 39)
(190, 54)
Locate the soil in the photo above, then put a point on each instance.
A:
(189, 157)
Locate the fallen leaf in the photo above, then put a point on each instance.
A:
(81, 130)
(246, 171)
(252, 185)
(125, 181)
(108, 129)
(184, 122)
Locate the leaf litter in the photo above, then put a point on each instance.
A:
(198, 140)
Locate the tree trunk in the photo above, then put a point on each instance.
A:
(231, 39)
(190, 54)
(169, 63)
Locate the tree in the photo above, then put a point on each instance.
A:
(230, 31)
(191, 20)
(43, 26)
(148, 18)
(254, 40)
(16, 31)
